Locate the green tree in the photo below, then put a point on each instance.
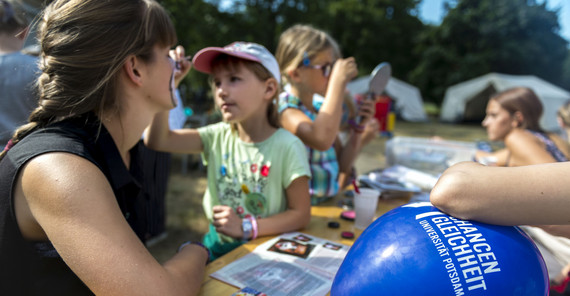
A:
(377, 31)
(372, 31)
(199, 24)
(480, 36)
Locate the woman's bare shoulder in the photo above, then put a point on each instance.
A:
(521, 137)
(52, 177)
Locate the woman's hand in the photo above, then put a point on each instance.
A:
(183, 63)
(227, 221)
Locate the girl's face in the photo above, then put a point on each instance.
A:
(314, 78)
(498, 121)
(239, 94)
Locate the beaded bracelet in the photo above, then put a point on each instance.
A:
(198, 244)
(357, 128)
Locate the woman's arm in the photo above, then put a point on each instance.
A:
(321, 133)
(533, 195)
(74, 206)
(496, 158)
(158, 136)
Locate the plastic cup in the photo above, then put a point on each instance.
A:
(365, 204)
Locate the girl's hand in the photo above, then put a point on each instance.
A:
(183, 63)
(227, 221)
(366, 110)
(370, 130)
(344, 70)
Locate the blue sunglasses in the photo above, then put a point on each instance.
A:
(325, 68)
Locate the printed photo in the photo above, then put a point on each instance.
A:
(302, 238)
(291, 247)
(332, 246)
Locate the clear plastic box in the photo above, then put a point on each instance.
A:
(428, 155)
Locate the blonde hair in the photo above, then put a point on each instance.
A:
(299, 40)
(224, 61)
(564, 113)
(84, 44)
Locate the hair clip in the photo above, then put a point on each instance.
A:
(8, 11)
(306, 60)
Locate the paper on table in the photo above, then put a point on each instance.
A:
(290, 264)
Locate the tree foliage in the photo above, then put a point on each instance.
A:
(480, 36)
(372, 31)
(476, 36)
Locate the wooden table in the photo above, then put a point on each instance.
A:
(320, 216)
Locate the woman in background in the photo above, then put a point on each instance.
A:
(526, 193)
(513, 117)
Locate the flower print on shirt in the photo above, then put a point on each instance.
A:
(241, 185)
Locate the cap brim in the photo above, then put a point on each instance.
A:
(202, 60)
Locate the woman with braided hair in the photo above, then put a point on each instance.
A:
(70, 178)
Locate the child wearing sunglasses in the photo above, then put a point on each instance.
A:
(311, 63)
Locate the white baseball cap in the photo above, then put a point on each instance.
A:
(244, 50)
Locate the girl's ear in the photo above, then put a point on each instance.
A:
(293, 75)
(131, 68)
(271, 88)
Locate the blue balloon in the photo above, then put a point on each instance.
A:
(416, 249)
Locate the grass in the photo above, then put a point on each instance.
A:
(185, 217)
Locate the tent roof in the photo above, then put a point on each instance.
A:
(467, 100)
(407, 97)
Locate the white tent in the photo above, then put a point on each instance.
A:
(407, 98)
(467, 101)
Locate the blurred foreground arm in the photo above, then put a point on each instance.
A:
(536, 194)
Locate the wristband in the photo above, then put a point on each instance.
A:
(358, 128)
(198, 244)
(247, 227)
(254, 227)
